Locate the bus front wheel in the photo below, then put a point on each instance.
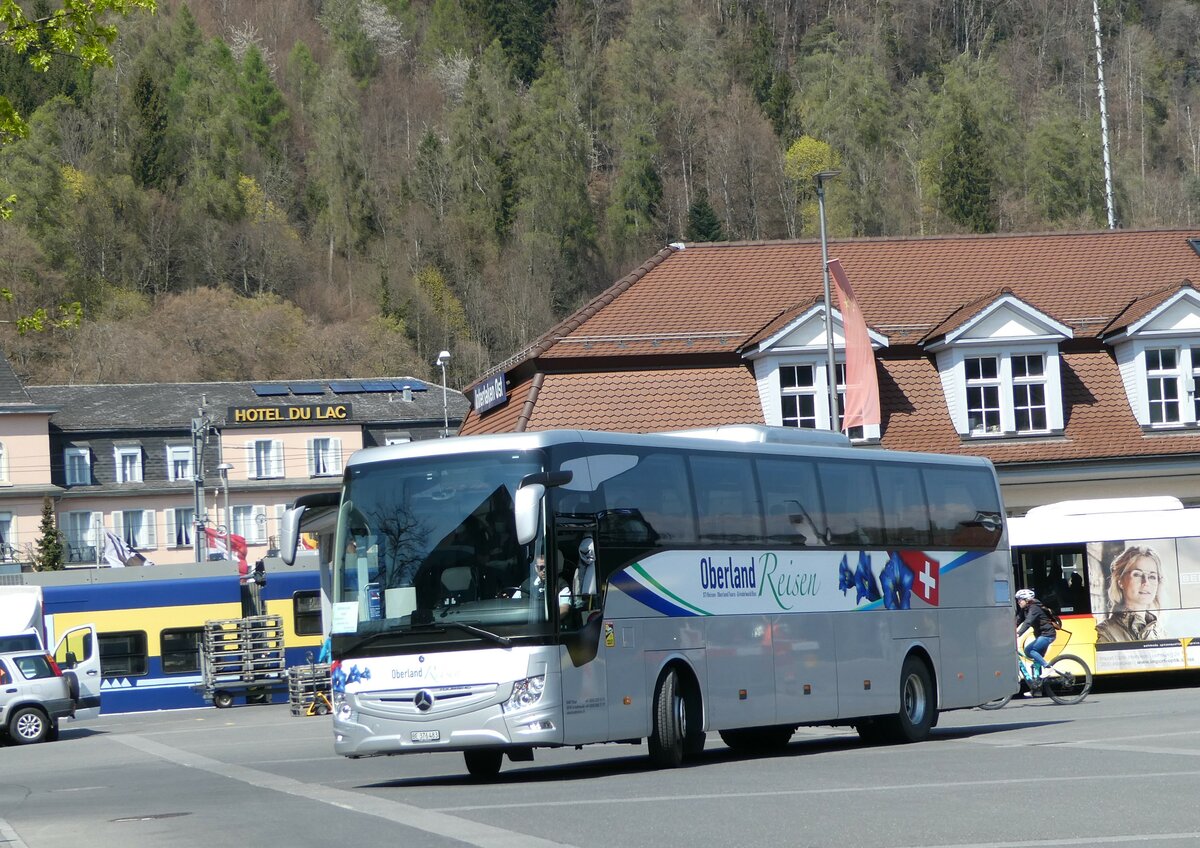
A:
(666, 742)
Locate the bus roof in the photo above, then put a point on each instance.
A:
(750, 438)
(1104, 520)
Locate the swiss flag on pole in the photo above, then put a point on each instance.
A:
(221, 543)
(925, 575)
(862, 381)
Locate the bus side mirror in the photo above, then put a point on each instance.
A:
(527, 506)
(528, 500)
(289, 534)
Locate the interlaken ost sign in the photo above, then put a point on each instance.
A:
(300, 413)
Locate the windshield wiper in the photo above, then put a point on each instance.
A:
(478, 631)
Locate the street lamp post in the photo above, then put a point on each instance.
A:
(224, 468)
(442, 359)
(820, 179)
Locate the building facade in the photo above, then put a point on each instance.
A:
(1069, 359)
(156, 464)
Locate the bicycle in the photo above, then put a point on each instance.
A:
(1069, 680)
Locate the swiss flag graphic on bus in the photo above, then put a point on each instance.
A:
(925, 575)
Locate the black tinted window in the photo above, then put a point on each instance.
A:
(655, 493)
(964, 507)
(791, 501)
(905, 511)
(727, 505)
(851, 504)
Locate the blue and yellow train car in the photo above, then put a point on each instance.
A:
(150, 624)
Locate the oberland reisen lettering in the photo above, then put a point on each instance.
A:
(727, 576)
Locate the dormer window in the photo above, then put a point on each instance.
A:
(1159, 356)
(791, 366)
(1000, 369)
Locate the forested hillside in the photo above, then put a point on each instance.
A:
(294, 188)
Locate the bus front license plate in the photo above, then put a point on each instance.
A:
(426, 735)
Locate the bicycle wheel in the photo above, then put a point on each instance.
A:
(1070, 680)
(996, 704)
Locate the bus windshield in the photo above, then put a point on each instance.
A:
(426, 550)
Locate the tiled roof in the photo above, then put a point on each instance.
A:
(172, 405)
(636, 401)
(716, 297)
(661, 349)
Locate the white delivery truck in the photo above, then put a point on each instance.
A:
(23, 628)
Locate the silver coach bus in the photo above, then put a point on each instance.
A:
(495, 594)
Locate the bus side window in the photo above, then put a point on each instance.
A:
(851, 504)
(726, 501)
(906, 514)
(791, 501)
(963, 506)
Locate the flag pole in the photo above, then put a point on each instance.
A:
(820, 179)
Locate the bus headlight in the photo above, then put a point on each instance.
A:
(341, 707)
(526, 693)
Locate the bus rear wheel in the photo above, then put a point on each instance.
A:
(913, 721)
(483, 762)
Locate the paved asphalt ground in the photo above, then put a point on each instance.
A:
(1122, 768)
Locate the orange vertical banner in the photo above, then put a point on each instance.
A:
(862, 381)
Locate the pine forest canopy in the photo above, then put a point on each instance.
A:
(257, 190)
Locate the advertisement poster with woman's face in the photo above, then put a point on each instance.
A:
(1145, 594)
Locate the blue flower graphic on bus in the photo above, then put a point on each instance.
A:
(862, 579)
(897, 582)
(354, 675)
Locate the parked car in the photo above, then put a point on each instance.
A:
(34, 695)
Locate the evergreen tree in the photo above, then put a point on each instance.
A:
(148, 159)
(261, 103)
(966, 178)
(638, 192)
(703, 224)
(49, 556)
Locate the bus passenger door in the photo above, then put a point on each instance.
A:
(584, 683)
(77, 653)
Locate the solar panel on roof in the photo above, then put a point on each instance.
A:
(269, 389)
(377, 386)
(306, 388)
(345, 387)
(413, 385)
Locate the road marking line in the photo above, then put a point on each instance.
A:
(9, 837)
(430, 821)
(1083, 840)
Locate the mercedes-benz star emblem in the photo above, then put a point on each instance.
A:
(423, 700)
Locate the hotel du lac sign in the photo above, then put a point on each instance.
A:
(305, 413)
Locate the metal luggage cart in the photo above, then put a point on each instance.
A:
(308, 688)
(242, 655)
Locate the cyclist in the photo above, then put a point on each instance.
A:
(1034, 615)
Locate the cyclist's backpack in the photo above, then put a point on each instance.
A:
(1052, 614)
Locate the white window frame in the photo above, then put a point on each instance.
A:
(93, 526)
(174, 525)
(73, 457)
(952, 366)
(772, 392)
(149, 529)
(989, 409)
(244, 522)
(7, 545)
(178, 453)
(1170, 380)
(795, 372)
(272, 454)
(324, 457)
(134, 455)
(1029, 382)
(3, 464)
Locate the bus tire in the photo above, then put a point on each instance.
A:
(670, 722)
(483, 763)
(918, 707)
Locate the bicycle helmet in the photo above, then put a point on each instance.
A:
(1025, 595)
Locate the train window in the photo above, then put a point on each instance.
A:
(123, 654)
(306, 613)
(181, 650)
